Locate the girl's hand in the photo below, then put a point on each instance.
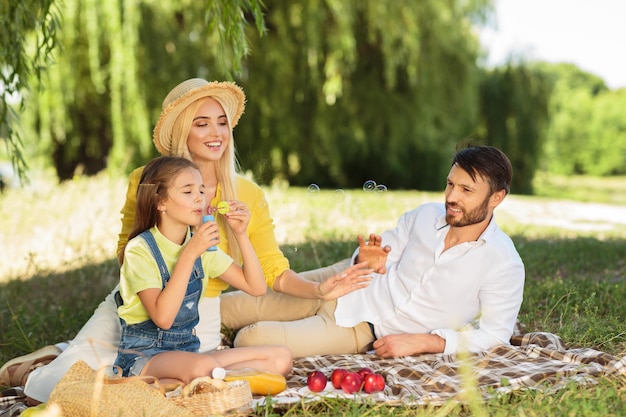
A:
(238, 217)
(205, 236)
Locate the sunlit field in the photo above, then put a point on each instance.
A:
(51, 228)
(58, 244)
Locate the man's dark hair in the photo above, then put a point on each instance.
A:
(488, 162)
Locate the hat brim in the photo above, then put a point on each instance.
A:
(229, 95)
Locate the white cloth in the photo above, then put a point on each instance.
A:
(209, 327)
(96, 344)
(470, 294)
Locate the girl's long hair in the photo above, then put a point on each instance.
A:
(154, 185)
(227, 168)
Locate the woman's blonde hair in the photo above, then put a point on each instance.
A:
(227, 167)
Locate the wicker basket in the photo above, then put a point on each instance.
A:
(235, 398)
(84, 392)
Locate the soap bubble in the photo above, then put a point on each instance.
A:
(369, 185)
(313, 188)
(381, 188)
(340, 196)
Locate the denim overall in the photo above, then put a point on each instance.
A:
(144, 340)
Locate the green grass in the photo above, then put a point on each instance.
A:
(580, 188)
(606, 399)
(57, 251)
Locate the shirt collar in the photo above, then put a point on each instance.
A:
(489, 231)
(167, 244)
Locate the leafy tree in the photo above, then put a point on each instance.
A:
(605, 153)
(346, 91)
(19, 60)
(339, 91)
(586, 132)
(515, 101)
(93, 110)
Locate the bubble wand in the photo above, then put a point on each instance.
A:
(222, 208)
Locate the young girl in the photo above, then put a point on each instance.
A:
(165, 271)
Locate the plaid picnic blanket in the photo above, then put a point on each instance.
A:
(537, 361)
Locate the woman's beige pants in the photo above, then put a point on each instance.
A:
(304, 325)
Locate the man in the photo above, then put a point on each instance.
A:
(447, 278)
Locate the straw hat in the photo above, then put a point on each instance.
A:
(229, 95)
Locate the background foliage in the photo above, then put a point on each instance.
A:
(342, 91)
(339, 91)
(19, 20)
(587, 133)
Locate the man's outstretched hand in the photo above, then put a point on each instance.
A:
(373, 253)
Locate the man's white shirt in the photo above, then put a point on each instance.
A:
(470, 294)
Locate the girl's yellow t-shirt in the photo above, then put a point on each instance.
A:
(140, 271)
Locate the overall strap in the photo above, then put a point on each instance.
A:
(198, 271)
(156, 253)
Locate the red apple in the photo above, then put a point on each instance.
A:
(373, 383)
(351, 383)
(364, 372)
(337, 376)
(316, 381)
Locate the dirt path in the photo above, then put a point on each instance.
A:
(566, 214)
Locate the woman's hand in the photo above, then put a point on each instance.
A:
(351, 279)
(238, 217)
(373, 253)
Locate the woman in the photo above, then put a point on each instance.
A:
(196, 122)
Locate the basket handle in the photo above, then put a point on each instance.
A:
(150, 380)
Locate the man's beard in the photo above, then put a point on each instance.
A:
(475, 216)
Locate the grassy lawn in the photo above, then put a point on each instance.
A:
(57, 251)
